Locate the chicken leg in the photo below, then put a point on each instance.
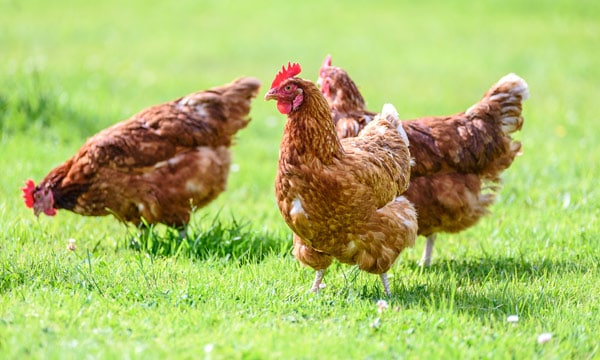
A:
(426, 258)
(386, 284)
(317, 283)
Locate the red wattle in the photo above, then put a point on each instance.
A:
(284, 107)
(50, 212)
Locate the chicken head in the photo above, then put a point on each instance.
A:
(41, 200)
(288, 95)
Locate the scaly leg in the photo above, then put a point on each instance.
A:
(317, 283)
(386, 284)
(182, 232)
(426, 258)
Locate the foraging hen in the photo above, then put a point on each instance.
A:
(156, 167)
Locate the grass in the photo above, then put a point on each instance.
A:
(232, 288)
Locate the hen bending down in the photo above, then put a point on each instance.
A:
(159, 165)
(458, 158)
(342, 199)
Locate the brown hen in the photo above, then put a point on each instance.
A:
(458, 159)
(158, 166)
(342, 199)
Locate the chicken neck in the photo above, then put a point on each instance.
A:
(310, 133)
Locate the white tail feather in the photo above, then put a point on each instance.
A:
(389, 110)
(517, 88)
(390, 113)
(520, 86)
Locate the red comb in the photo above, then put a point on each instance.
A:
(292, 70)
(28, 193)
(327, 61)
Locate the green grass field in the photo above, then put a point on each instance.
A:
(234, 291)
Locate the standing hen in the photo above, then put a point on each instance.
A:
(158, 166)
(458, 158)
(342, 199)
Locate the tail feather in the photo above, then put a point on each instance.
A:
(509, 92)
(512, 84)
(245, 87)
(239, 94)
(223, 109)
(390, 113)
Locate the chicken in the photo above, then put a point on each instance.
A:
(156, 167)
(342, 199)
(458, 158)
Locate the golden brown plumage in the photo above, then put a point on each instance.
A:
(458, 158)
(159, 165)
(342, 199)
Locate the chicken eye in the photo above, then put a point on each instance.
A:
(288, 88)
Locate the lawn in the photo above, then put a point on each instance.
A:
(69, 69)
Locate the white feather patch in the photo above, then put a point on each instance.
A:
(389, 110)
(390, 113)
(297, 207)
(402, 133)
(191, 102)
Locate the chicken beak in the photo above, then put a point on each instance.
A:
(37, 210)
(270, 95)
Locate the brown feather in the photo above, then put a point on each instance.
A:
(161, 163)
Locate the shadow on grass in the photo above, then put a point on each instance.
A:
(233, 241)
(486, 287)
